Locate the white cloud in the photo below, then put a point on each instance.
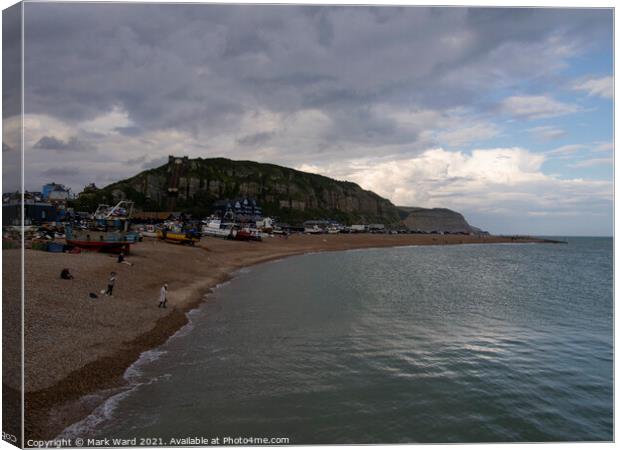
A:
(565, 150)
(502, 183)
(600, 87)
(536, 107)
(592, 163)
(547, 132)
(462, 136)
(107, 122)
(603, 146)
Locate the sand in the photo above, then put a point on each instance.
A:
(77, 345)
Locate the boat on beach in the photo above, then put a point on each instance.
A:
(215, 228)
(178, 233)
(246, 234)
(314, 229)
(108, 230)
(228, 230)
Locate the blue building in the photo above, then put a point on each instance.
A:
(55, 191)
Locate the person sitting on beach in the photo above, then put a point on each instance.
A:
(111, 282)
(65, 274)
(163, 296)
(121, 259)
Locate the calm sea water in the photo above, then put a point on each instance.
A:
(472, 343)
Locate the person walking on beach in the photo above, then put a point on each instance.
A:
(163, 296)
(111, 282)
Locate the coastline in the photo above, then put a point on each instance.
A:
(101, 363)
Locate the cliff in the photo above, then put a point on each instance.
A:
(436, 219)
(193, 185)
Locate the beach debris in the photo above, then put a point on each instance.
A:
(93, 295)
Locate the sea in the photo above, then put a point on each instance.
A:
(419, 344)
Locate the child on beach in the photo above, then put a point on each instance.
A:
(163, 296)
(111, 284)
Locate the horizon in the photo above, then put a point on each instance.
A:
(428, 107)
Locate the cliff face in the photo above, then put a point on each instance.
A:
(195, 184)
(436, 219)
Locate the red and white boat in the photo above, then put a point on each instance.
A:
(107, 231)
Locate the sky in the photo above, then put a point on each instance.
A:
(503, 114)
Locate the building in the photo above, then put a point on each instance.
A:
(34, 212)
(239, 209)
(55, 192)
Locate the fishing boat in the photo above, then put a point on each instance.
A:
(107, 230)
(246, 234)
(215, 228)
(178, 233)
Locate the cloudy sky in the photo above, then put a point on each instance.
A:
(502, 114)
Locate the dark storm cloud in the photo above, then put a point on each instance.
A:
(129, 131)
(203, 69)
(61, 172)
(11, 57)
(53, 143)
(255, 139)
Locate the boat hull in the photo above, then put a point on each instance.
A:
(98, 240)
(111, 247)
(181, 238)
(243, 235)
(216, 232)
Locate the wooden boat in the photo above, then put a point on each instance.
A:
(107, 230)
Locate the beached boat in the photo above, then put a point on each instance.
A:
(215, 228)
(106, 231)
(246, 234)
(175, 232)
(314, 229)
(148, 231)
(279, 231)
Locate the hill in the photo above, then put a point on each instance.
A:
(194, 185)
(435, 219)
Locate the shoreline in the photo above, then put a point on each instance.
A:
(53, 408)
